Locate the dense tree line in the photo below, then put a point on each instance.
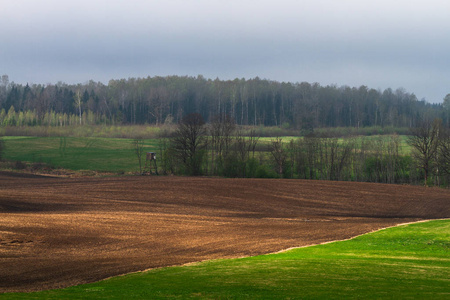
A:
(220, 149)
(156, 100)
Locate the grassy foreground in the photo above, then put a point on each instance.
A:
(405, 262)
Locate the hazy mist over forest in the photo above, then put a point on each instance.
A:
(382, 44)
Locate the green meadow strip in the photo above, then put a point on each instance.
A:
(97, 154)
(405, 262)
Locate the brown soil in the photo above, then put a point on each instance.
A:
(58, 232)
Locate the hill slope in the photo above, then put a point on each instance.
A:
(57, 232)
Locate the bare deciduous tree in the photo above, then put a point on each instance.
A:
(279, 155)
(138, 147)
(220, 130)
(424, 143)
(253, 140)
(444, 151)
(189, 141)
(241, 150)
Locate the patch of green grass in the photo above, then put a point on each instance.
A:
(103, 154)
(406, 262)
(404, 147)
(97, 154)
(104, 131)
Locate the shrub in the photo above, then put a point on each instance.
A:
(264, 171)
(231, 166)
(19, 165)
(2, 148)
(252, 167)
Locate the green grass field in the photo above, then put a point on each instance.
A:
(97, 154)
(403, 147)
(405, 262)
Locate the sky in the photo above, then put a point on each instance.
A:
(381, 44)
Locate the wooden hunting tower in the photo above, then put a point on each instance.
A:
(151, 156)
(150, 163)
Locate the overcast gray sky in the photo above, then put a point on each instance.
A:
(381, 44)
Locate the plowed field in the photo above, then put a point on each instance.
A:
(57, 232)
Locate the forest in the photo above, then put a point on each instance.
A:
(214, 126)
(258, 102)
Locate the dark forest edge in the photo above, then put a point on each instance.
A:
(256, 102)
